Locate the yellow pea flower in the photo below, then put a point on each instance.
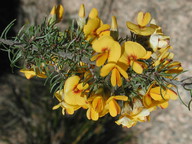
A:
(141, 27)
(106, 49)
(115, 75)
(56, 14)
(94, 27)
(70, 109)
(132, 52)
(75, 91)
(157, 96)
(96, 107)
(113, 106)
(29, 73)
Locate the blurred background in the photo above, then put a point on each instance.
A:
(26, 115)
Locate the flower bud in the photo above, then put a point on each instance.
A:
(81, 20)
(114, 28)
(56, 14)
(82, 11)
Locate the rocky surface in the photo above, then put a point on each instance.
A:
(169, 126)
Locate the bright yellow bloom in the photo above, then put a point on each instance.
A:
(70, 109)
(133, 51)
(157, 96)
(75, 92)
(107, 49)
(115, 75)
(141, 27)
(96, 107)
(29, 73)
(131, 115)
(113, 106)
(94, 27)
(56, 14)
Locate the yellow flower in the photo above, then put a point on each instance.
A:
(29, 73)
(56, 14)
(75, 93)
(157, 96)
(113, 106)
(70, 109)
(96, 107)
(141, 27)
(132, 52)
(106, 48)
(115, 70)
(94, 27)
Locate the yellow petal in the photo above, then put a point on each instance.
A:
(28, 73)
(93, 13)
(103, 43)
(106, 44)
(135, 49)
(115, 52)
(170, 93)
(164, 105)
(137, 67)
(114, 108)
(133, 27)
(102, 59)
(157, 93)
(106, 69)
(91, 26)
(146, 31)
(82, 86)
(59, 95)
(143, 18)
(98, 104)
(120, 97)
(95, 57)
(147, 101)
(122, 71)
(148, 55)
(92, 114)
(71, 83)
(115, 77)
(103, 30)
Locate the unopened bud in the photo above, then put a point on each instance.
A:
(56, 14)
(81, 20)
(82, 11)
(114, 28)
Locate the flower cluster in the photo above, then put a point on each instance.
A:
(127, 78)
